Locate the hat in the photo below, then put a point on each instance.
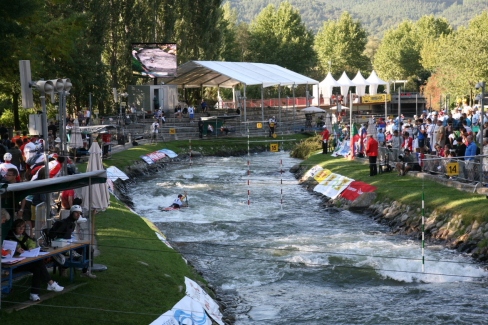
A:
(58, 139)
(76, 208)
(7, 156)
(53, 156)
(325, 126)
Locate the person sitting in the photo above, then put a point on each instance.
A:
(406, 163)
(64, 229)
(210, 129)
(224, 130)
(178, 202)
(38, 268)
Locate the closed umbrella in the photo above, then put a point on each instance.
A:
(100, 196)
(96, 197)
(75, 140)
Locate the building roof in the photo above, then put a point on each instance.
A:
(196, 74)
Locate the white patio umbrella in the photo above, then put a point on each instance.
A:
(312, 109)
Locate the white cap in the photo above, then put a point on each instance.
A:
(7, 156)
(58, 139)
(76, 208)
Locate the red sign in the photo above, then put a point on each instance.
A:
(355, 189)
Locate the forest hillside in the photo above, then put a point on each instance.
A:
(376, 16)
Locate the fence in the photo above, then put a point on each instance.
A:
(468, 171)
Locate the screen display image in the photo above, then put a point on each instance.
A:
(155, 60)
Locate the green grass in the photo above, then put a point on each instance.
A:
(144, 279)
(408, 190)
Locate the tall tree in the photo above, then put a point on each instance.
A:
(341, 44)
(399, 55)
(280, 37)
(462, 57)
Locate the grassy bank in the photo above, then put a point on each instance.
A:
(408, 190)
(144, 279)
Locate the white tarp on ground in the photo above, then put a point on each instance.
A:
(192, 309)
(186, 311)
(196, 74)
(196, 292)
(113, 173)
(343, 149)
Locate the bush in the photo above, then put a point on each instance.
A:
(307, 147)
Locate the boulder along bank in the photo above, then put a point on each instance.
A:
(448, 229)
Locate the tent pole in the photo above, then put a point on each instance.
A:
(294, 108)
(245, 106)
(92, 224)
(279, 105)
(262, 106)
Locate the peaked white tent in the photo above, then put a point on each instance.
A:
(374, 81)
(327, 84)
(344, 82)
(360, 83)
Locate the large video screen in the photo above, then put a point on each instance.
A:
(154, 60)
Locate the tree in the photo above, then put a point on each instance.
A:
(399, 55)
(280, 37)
(341, 43)
(462, 58)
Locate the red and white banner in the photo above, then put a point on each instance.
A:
(355, 189)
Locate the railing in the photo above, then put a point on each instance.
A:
(467, 171)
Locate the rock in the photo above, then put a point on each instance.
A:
(364, 200)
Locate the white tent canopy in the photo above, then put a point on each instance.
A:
(196, 74)
(360, 83)
(345, 83)
(374, 81)
(327, 84)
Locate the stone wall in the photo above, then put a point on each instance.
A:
(447, 229)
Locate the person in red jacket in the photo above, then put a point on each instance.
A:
(372, 153)
(325, 140)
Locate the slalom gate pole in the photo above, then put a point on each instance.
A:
(248, 183)
(423, 230)
(191, 162)
(281, 174)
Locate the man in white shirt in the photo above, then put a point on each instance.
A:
(31, 148)
(154, 131)
(191, 113)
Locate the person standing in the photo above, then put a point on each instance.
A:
(200, 128)
(372, 153)
(87, 117)
(203, 105)
(154, 131)
(325, 140)
(191, 113)
(272, 125)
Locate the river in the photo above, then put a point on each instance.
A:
(252, 230)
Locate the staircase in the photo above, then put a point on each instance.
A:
(289, 121)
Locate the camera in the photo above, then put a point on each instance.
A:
(400, 157)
